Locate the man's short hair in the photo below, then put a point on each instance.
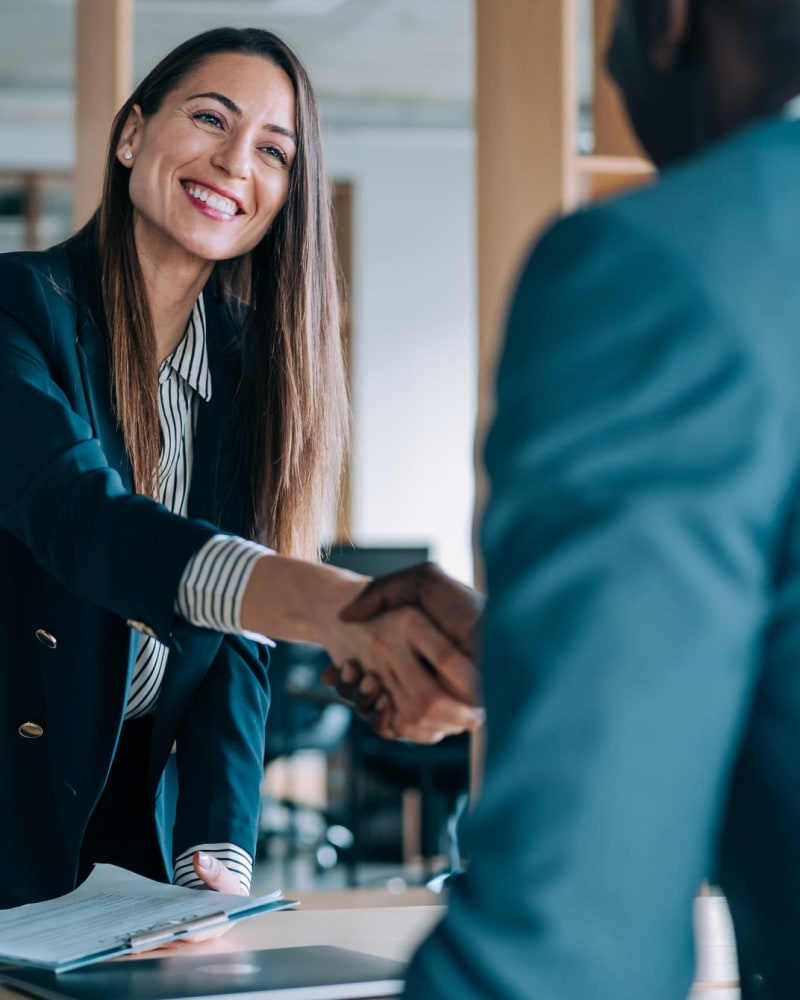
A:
(770, 31)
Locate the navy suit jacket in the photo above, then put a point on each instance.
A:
(89, 562)
(642, 638)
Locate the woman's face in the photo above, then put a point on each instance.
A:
(210, 169)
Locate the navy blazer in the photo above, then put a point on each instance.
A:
(642, 634)
(85, 560)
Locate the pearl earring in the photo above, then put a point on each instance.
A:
(127, 155)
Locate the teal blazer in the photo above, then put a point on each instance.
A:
(642, 639)
(86, 561)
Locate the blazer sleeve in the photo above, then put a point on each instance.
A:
(220, 751)
(58, 494)
(635, 469)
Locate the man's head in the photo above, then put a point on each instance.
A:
(692, 70)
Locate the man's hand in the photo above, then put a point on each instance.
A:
(452, 606)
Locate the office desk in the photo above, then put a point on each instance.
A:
(370, 920)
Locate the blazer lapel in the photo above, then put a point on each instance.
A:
(93, 358)
(215, 494)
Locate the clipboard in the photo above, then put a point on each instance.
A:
(116, 912)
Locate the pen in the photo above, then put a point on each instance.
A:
(179, 929)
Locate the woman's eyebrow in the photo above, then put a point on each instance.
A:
(233, 107)
(225, 101)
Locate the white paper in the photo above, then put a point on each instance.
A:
(97, 919)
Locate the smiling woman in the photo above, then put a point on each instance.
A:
(232, 113)
(175, 375)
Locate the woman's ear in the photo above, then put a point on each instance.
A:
(130, 136)
(670, 27)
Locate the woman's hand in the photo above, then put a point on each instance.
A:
(455, 609)
(365, 694)
(431, 682)
(218, 878)
(451, 605)
(216, 875)
(430, 686)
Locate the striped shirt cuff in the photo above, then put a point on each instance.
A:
(233, 857)
(213, 584)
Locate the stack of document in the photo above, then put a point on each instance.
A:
(115, 912)
(58, 948)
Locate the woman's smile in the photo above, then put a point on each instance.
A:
(220, 149)
(211, 201)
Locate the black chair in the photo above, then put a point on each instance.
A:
(307, 715)
(304, 715)
(438, 772)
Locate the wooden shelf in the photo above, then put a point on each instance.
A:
(601, 176)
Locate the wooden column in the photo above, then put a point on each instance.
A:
(103, 78)
(342, 196)
(526, 120)
(526, 123)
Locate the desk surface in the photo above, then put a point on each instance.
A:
(370, 920)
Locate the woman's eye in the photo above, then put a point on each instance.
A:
(276, 152)
(209, 118)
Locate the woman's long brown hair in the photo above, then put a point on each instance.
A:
(291, 409)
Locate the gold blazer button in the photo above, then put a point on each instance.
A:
(31, 730)
(46, 639)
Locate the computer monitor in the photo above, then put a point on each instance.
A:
(375, 560)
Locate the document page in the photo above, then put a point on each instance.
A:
(114, 912)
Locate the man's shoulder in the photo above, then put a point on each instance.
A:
(732, 182)
(704, 216)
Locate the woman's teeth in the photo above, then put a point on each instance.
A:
(215, 201)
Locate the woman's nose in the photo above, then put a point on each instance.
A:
(234, 158)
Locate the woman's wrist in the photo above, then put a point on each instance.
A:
(295, 600)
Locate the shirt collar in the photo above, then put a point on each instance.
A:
(190, 357)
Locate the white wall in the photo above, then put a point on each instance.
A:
(414, 336)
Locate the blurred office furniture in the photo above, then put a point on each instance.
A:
(387, 801)
(432, 784)
(35, 209)
(304, 716)
(376, 560)
(426, 785)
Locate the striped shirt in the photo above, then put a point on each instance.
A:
(213, 583)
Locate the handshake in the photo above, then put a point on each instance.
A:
(441, 696)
